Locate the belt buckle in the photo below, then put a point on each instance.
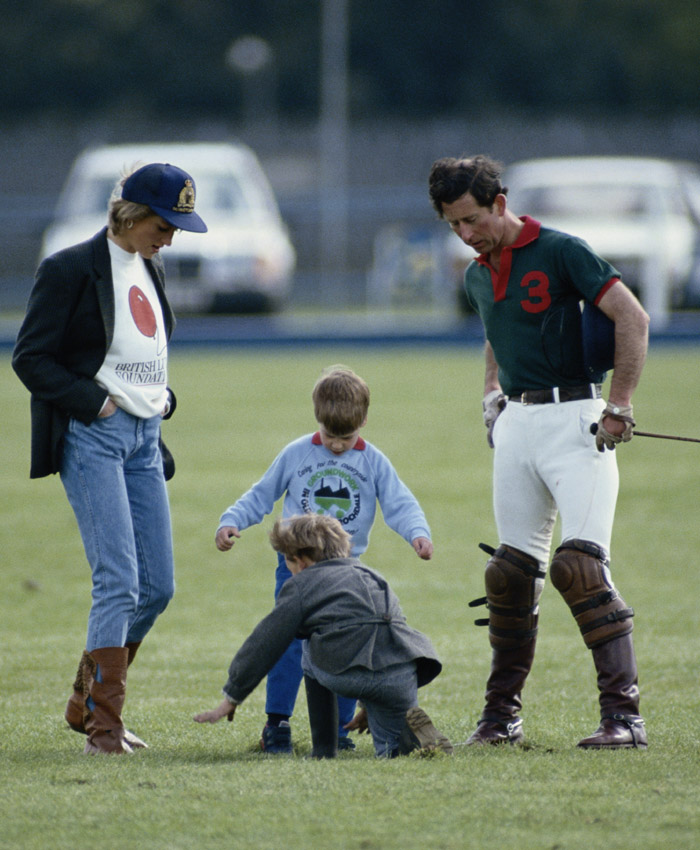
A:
(524, 401)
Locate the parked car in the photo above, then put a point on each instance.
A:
(418, 266)
(243, 264)
(640, 214)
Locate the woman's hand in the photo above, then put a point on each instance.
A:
(108, 409)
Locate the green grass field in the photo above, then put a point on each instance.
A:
(199, 788)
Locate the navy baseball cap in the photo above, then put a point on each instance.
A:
(168, 191)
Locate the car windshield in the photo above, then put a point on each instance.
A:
(220, 193)
(584, 200)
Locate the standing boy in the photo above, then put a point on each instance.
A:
(358, 644)
(540, 400)
(333, 472)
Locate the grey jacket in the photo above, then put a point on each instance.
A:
(351, 618)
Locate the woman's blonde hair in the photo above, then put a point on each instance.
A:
(319, 538)
(120, 211)
(341, 400)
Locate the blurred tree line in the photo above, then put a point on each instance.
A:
(407, 58)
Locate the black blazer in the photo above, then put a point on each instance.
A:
(64, 338)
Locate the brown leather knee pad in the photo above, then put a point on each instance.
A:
(578, 573)
(514, 582)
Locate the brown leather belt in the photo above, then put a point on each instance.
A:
(556, 395)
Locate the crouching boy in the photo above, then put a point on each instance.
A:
(358, 644)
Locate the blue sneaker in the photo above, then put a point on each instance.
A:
(277, 739)
(345, 743)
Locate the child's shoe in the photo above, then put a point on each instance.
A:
(345, 742)
(420, 734)
(277, 739)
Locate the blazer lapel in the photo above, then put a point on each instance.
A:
(156, 272)
(104, 286)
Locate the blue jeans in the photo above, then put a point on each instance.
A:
(285, 677)
(386, 694)
(113, 476)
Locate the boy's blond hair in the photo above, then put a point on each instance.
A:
(341, 400)
(317, 537)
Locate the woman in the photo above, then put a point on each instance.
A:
(93, 351)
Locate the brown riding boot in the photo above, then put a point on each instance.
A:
(500, 722)
(514, 582)
(77, 709)
(103, 724)
(133, 740)
(621, 727)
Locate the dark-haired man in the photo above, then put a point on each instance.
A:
(540, 400)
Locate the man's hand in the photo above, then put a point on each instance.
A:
(493, 405)
(614, 426)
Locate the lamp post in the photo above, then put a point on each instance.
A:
(253, 59)
(333, 142)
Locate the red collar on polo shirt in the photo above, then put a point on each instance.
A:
(528, 234)
(360, 445)
(499, 280)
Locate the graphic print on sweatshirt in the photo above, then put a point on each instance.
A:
(333, 490)
(144, 317)
(142, 312)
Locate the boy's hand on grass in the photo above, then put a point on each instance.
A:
(224, 709)
(423, 547)
(359, 722)
(225, 537)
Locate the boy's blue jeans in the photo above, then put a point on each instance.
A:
(112, 473)
(285, 677)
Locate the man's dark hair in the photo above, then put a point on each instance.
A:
(451, 178)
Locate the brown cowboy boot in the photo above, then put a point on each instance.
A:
(620, 725)
(77, 709)
(103, 724)
(500, 722)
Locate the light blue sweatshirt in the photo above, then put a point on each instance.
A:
(346, 486)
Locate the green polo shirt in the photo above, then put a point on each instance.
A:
(531, 307)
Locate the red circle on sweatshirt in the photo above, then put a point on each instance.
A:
(142, 312)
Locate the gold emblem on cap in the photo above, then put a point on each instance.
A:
(185, 200)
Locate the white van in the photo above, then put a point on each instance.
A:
(640, 214)
(244, 264)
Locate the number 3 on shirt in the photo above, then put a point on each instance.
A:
(538, 297)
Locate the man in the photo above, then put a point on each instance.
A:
(542, 406)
